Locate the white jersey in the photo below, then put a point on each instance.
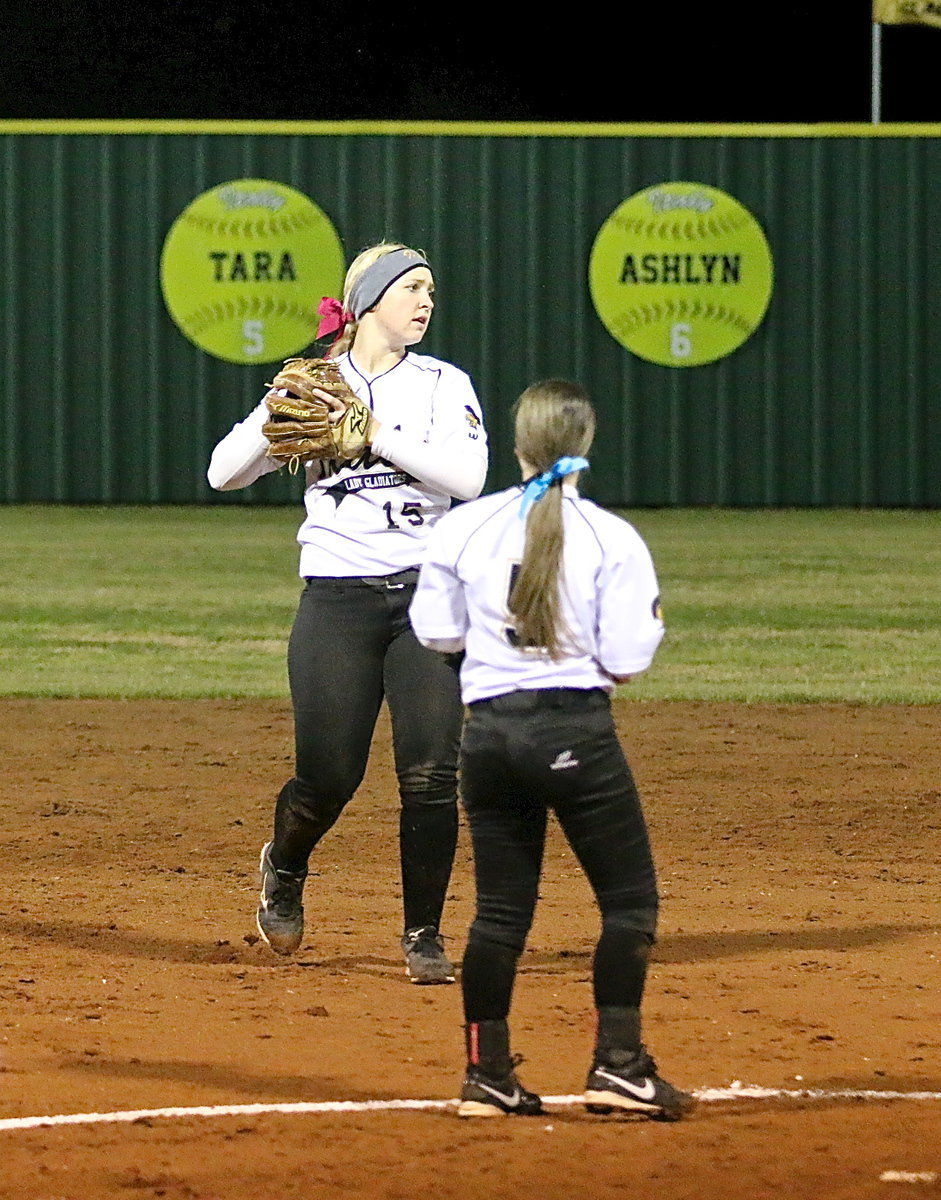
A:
(609, 595)
(373, 516)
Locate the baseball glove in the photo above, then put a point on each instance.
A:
(299, 426)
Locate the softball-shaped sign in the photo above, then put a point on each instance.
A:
(681, 274)
(244, 267)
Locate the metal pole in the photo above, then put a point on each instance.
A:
(876, 72)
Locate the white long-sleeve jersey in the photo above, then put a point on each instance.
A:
(609, 594)
(373, 516)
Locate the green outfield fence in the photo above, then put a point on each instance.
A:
(835, 400)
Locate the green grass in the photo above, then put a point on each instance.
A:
(803, 605)
(146, 601)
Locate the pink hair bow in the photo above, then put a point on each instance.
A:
(335, 318)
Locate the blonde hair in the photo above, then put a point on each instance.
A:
(553, 419)
(360, 264)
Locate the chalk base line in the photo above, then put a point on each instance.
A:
(737, 1091)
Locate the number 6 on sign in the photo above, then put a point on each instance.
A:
(253, 333)
(681, 274)
(681, 343)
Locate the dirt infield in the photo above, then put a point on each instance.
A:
(798, 850)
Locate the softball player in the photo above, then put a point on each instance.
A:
(553, 601)
(351, 646)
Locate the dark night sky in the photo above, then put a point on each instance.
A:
(711, 61)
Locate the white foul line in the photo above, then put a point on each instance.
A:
(704, 1095)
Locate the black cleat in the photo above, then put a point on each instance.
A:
(482, 1096)
(425, 960)
(280, 916)
(635, 1087)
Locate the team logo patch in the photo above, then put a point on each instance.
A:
(563, 761)
(657, 609)
(472, 420)
(362, 483)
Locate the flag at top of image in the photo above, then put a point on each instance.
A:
(907, 12)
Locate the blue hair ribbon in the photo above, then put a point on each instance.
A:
(537, 488)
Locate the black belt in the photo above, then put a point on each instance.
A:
(409, 575)
(532, 698)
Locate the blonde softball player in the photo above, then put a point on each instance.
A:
(351, 646)
(553, 601)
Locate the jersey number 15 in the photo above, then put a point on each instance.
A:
(411, 512)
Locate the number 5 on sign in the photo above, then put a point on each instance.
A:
(253, 333)
(681, 342)
(250, 248)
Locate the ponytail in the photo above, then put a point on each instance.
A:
(534, 598)
(555, 425)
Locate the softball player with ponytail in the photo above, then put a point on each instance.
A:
(351, 646)
(553, 601)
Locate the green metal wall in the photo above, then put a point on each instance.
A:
(835, 400)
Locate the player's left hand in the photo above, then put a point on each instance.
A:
(314, 414)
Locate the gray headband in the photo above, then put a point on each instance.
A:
(375, 281)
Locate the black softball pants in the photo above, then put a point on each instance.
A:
(352, 646)
(524, 754)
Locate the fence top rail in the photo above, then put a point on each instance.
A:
(466, 129)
